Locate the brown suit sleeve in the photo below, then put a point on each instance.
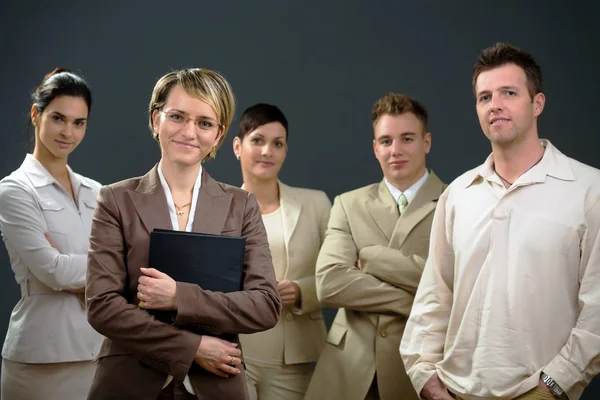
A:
(256, 308)
(164, 347)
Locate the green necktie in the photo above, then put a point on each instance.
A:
(402, 204)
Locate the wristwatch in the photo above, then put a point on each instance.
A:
(555, 389)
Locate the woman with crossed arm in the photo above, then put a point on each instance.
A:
(45, 218)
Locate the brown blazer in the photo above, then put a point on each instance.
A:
(376, 300)
(140, 352)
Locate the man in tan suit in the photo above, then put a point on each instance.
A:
(372, 258)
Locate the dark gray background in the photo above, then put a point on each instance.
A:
(324, 63)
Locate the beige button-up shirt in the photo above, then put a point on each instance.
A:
(512, 283)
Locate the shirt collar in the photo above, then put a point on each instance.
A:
(409, 193)
(171, 204)
(553, 163)
(40, 176)
(165, 185)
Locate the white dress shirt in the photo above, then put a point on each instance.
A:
(188, 228)
(409, 193)
(49, 323)
(511, 286)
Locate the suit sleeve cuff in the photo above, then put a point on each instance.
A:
(309, 301)
(180, 369)
(186, 311)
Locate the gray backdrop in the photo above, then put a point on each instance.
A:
(324, 63)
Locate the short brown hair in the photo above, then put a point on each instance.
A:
(503, 53)
(396, 104)
(204, 84)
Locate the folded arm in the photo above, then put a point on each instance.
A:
(341, 284)
(163, 346)
(393, 266)
(23, 227)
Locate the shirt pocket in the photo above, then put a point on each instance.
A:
(55, 216)
(90, 204)
(86, 214)
(57, 222)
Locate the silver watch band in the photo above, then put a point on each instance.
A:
(554, 387)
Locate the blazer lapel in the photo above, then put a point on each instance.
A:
(290, 212)
(383, 209)
(422, 205)
(150, 202)
(212, 207)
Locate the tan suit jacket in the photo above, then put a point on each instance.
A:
(374, 301)
(140, 352)
(305, 215)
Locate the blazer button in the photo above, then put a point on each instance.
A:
(384, 333)
(289, 316)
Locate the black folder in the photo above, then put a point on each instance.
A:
(213, 262)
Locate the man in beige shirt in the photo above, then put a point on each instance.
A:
(509, 303)
(372, 258)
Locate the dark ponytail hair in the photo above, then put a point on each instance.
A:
(59, 82)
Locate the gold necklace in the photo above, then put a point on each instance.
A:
(180, 209)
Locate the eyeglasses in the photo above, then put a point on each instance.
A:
(201, 124)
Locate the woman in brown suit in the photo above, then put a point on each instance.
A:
(143, 358)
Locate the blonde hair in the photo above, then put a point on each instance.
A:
(204, 84)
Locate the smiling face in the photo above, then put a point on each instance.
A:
(400, 146)
(507, 113)
(187, 128)
(262, 151)
(60, 127)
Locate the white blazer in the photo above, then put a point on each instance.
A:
(48, 324)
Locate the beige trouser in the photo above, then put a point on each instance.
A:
(533, 394)
(56, 381)
(286, 382)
